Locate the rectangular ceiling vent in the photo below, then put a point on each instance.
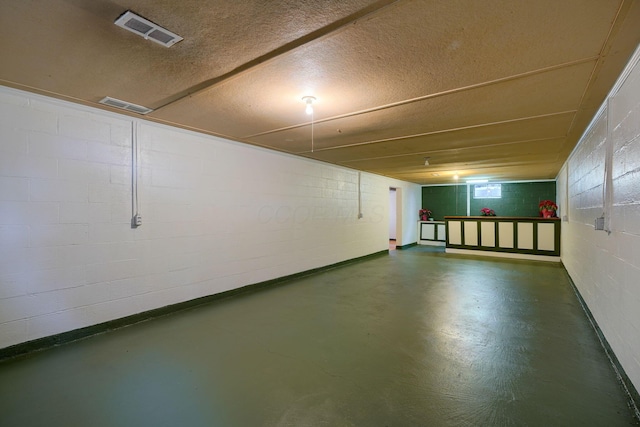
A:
(147, 29)
(123, 105)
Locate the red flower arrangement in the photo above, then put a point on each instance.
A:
(487, 212)
(424, 214)
(547, 208)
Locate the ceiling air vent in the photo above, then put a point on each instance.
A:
(147, 29)
(123, 105)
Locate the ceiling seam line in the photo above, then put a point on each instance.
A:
(420, 153)
(433, 95)
(447, 130)
(476, 167)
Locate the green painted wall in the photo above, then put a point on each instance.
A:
(445, 200)
(518, 199)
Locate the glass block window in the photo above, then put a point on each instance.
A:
(487, 191)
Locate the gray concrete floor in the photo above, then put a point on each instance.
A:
(416, 338)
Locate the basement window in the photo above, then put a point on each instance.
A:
(487, 191)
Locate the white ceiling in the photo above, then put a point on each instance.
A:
(492, 89)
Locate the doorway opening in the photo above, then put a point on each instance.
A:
(395, 216)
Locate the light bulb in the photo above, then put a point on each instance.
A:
(309, 101)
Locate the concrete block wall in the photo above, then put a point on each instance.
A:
(606, 266)
(217, 215)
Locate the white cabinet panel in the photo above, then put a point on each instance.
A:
(471, 233)
(488, 233)
(546, 237)
(428, 232)
(525, 235)
(455, 232)
(505, 231)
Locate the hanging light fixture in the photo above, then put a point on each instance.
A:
(309, 100)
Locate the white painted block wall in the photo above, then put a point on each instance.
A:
(606, 267)
(217, 215)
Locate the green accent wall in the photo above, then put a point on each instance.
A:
(518, 199)
(445, 200)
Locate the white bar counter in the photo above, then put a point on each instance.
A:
(510, 237)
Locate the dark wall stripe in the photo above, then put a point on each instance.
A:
(407, 246)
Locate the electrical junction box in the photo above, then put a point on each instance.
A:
(599, 224)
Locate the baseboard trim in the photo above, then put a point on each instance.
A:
(407, 246)
(496, 254)
(40, 344)
(625, 381)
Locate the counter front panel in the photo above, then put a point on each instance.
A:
(527, 236)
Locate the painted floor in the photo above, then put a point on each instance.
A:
(415, 338)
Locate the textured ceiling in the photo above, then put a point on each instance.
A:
(493, 89)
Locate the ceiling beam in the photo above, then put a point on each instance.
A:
(276, 53)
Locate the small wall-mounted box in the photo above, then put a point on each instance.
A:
(599, 223)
